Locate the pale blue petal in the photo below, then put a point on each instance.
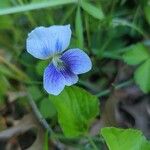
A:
(61, 38)
(77, 60)
(44, 42)
(38, 43)
(54, 81)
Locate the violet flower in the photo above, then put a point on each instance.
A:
(49, 43)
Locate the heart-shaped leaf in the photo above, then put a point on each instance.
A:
(124, 139)
(76, 109)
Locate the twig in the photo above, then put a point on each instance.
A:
(39, 116)
(26, 123)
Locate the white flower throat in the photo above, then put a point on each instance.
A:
(58, 63)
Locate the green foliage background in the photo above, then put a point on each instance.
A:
(108, 30)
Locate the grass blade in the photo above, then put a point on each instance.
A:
(79, 29)
(33, 6)
(93, 10)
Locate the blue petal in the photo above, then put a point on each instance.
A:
(44, 42)
(77, 60)
(70, 78)
(54, 81)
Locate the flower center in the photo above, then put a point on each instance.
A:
(58, 63)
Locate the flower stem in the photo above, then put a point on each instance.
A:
(116, 87)
(92, 142)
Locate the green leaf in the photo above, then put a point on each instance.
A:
(142, 76)
(136, 54)
(76, 109)
(146, 146)
(147, 12)
(92, 10)
(47, 108)
(124, 139)
(79, 29)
